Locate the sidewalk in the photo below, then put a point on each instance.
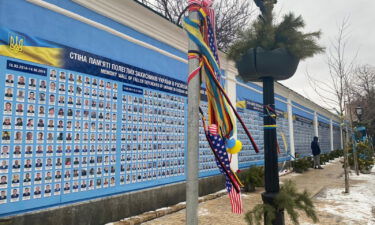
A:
(314, 180)
(218, 211)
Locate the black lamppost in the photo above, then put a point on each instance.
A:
(261, 62)
(359, 112)
(270, 151)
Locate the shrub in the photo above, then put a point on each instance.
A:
(331, 155)
(254, 177)
(310, 162)
(324, 158)
(301, 165)
(336, 153)
(365, 157)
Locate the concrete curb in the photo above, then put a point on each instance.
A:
(147, 216)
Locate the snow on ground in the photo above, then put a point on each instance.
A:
(357, 207)
(164, 208)
(203, 211)
(333, 161)
(284, 172)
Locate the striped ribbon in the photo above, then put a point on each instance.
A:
(270, 126)
(195, 72)
(220, 109)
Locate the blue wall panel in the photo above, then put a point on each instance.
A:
(111, 140)
(324, 133)
(149, 148)
(252, 116)
(336, 137)
(31, 19)
(303, 130)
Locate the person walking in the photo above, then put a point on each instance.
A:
(316, 152)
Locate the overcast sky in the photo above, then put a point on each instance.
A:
(325, 15)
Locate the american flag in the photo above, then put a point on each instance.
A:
(220, 150)
(236, 201)
(212, 35)
(212, 129)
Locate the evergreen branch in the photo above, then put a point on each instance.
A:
(289, 199)
(286, 34)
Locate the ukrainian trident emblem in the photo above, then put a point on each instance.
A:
(16, 42)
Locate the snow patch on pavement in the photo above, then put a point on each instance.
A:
(203, 212)
(165, 208)
(355, 207)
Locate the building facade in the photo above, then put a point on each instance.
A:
(94, 112)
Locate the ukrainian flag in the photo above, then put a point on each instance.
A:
(241, 104)
(20, 46)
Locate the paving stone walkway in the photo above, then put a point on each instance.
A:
(216, 209)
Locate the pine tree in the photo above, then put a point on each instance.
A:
(266, 34)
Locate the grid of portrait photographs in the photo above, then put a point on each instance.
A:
(324, 133)
(336, 137)
(152, 136)
(58, 135)
(303, 134)
(254, 122)
(207, 163)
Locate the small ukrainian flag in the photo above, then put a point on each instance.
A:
(241, 104)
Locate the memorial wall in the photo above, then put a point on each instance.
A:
(89, 128)
(88, 113)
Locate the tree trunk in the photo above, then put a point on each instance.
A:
(346, 161)
(355, 158)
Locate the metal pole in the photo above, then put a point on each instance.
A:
(193, 138)
(270, 153)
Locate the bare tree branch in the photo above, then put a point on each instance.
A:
(341, 71)
(232, 16)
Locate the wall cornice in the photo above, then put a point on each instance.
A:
(141, 19)
(145, 21)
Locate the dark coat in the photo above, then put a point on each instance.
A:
(315, 148)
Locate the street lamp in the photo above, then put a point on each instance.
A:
(359, 112)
